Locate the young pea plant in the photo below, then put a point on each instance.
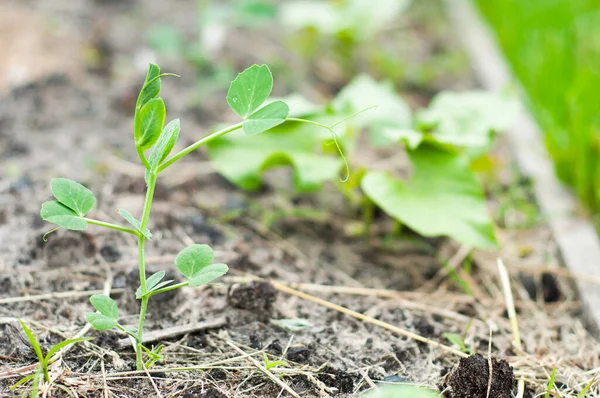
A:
(44, 361)
(246, 97)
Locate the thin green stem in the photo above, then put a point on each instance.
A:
(198, 144)
(112, 226)
(142, 267)
(142, 156)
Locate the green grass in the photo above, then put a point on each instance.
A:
(553, 48)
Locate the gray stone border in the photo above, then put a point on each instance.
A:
(576, 237)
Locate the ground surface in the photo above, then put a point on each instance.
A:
(70, 115)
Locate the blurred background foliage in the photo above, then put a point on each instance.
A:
(553, 47)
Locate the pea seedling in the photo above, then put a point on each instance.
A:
(246, 96)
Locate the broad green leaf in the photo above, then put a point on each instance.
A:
(73, 195)
(389, 123)
(135, 223)
(209, 274)
(149, 123)
(100, 322)
(443, 197)
(191, 260)
(402, 391)
(150, 91)
(106, 305)
(242, 159)
(249, 90)
(266, 118)
(467, 119)
(165, 143)
(61, 215)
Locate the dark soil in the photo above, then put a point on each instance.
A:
(471, 378)
(75, 122)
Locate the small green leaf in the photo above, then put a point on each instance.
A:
(73, 195)
(61, 215)
(106, 306)
(152, 283)
(293, 325)
(149, 123)
(191, 260)
(150, 91)
(165, 144)
(134, 222)
(100, 322)
(208, 274)
(443, 197)
(249, 90)
(266, 118)
(34, 343)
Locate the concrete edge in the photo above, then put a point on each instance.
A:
(575, 236)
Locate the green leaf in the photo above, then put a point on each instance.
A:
(293, 325)
(209, 274)
(443, 197)
(105, 305)
(134, 222)
(149, 123)
(61, 215)
(249, 90)
(33, 341)
(153, 283)
(150, 91)
(242, 159)
(467, 119)
(402, 391)
(63, 344)
(100, 322)
(73, 195)
(389, 123)
(24, 380)
(191, 260)
(165, 143)
(266, 118)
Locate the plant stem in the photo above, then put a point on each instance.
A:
(142, 267)
(112, 226)
(197, 145)
(169, 288)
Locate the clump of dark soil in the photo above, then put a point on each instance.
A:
(257, 297)
(471, 377)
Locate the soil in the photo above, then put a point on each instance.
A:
(75, 122)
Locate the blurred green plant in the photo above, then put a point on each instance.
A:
(402, 391)
(442, 197)
(553, 47)
(345, 30)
